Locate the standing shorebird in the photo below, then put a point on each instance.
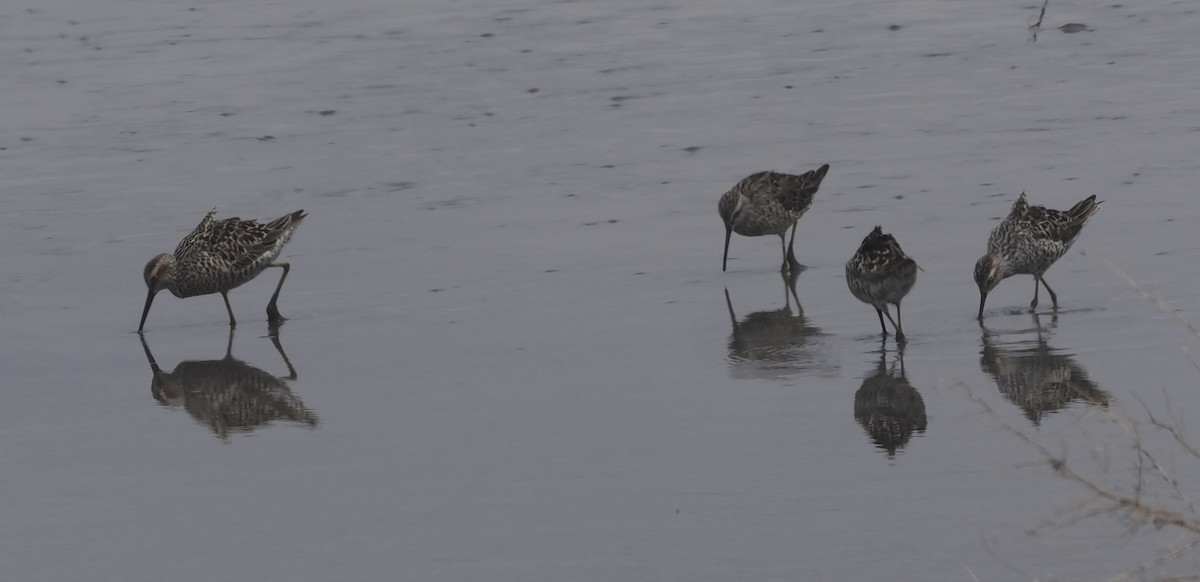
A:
(1027, 242)
(880, 273)
(768, 203)
(220, 255)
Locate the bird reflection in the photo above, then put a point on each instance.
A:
(229, 395)
(1036, 377)
(768, 344)
(888, 407)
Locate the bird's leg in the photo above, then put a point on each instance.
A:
(783, 245)
(1053, 297)
(232, 319)
(899, 332)
(789, 279)
(272, 309)
(899, 324)
(881, 325)
(791, 253)
(1036, 281)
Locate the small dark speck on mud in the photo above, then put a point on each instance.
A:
(1159, 254)
(895, 27)
(532, 90)
(27, 139)
(640, 273)
(1137, 173)
(613, 221)
(266, 138)
(227, 114)
(694, 149)
(487, 35)
(328, 112)
(898, 197)
(818, 30)
(664, 182)
(550, 271)
(1128, 182)
(435, 290)
(608, 166)
(669, 302)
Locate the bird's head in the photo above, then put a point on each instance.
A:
(989, 271)
(158, 272)
(158, 276)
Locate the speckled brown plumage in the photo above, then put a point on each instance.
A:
(1027, 242)
(220, 255)
(880, 273)
(769, 203)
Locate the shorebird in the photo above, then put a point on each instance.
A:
(880, 273)
(1028, 242)
(220, 255)
(768, 203)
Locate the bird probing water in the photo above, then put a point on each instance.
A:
(220, 255)
(1027, 242)
(768, 203)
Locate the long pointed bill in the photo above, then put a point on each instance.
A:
(982, 300)
(146, 310)
(725, 259)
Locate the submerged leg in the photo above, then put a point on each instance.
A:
(881, 325)
(899, 324)
(1053, 297)
(899, 332)
(232, 319)
(1036, 281)
(789, 279)
(273, 333)
(272, 310)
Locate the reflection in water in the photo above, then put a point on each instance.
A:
(768, 344)
(1037, 378)
(888, 406)
(229, 394)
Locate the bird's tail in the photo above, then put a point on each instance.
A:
(814, 178)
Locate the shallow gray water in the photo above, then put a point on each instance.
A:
(515, 354)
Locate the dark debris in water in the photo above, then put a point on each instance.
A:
(1073, 27)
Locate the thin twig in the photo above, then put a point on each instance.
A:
(1156, 300)
(1037, 26)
